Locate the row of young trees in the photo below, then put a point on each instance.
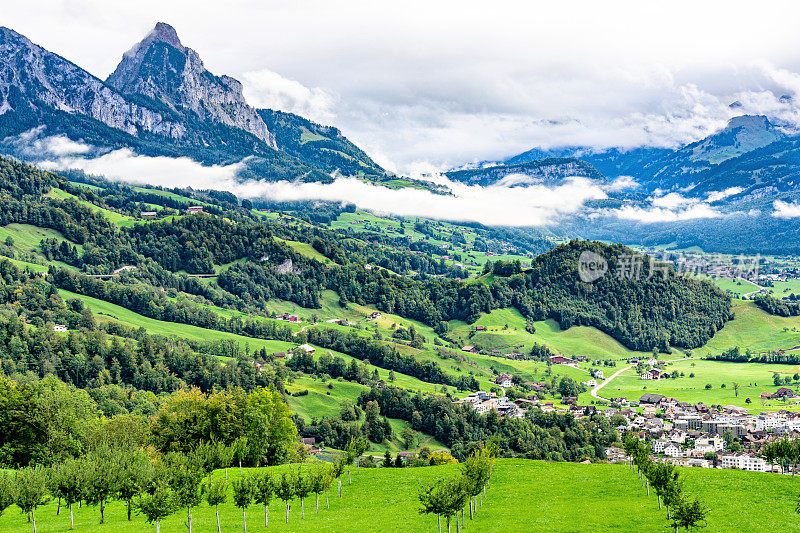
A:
(665, 480)
(448, 496)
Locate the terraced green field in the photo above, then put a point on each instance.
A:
(524, 496)
(27, 238)
(305, 249)
(505, 330)
(112, 216)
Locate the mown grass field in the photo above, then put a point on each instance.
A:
(112, 216)
(755, 329)
(27, 238)
(753, 379)
(505, 331)
(524, 496)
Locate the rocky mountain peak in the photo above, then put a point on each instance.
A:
(162, 68)
(165, 33)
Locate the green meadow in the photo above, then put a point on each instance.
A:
(752, 378)
(524, 496)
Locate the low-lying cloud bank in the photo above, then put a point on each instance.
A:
(526, 206)
(533, 205)
(785, 209)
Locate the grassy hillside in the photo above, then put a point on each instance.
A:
(755, 329)
(108, 311)
(525, 496)
(505, 331)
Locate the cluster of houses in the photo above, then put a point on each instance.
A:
(483, 402)
(684, 434)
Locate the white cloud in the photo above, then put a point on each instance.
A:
(672, 200)
(715, 196)
(495, 205)
(670, 207)
(125, 165)
(268, 89)
(785, 209)
(623, 183)
(661, 214)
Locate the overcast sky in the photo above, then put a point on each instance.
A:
(439, 84)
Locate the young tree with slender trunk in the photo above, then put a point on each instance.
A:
(157, 503)
(30, 490)
(286, 490)
(316, 481)
(243, 492)
(302, 489)
(100, 479)
(6, 492)
(673, 495)
(216, 494)
(264, 491)
(133, 471)
(326, 484)
(66, 484)
(186, 478)
(337, 471)
(690, 515)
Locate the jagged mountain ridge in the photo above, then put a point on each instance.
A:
(160, 101)
(749, 153)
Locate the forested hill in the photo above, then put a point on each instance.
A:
(639, 302)
(652, 311)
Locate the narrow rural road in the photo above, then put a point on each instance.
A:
(593, 392)
(605, 382)
(302, 329)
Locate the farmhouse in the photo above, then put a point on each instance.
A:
(560, 360)
(375, 315)
(307, 348)
(783, 392)
(470, 349)
(651, 398)
(480, 328)
(61, 328)
(652, 374)
(504, 380)
(148, 214)
(195, 209)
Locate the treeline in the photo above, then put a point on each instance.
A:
(548, 436)
(48, 421)
(777, 307)
(736, 355)
(153, 303)
(387, 357)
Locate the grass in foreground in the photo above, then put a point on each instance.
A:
(525, 496)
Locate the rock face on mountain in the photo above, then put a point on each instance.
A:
(35, 83)
(161, 68)
(161, 101)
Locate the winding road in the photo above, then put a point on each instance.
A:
(605, 382)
